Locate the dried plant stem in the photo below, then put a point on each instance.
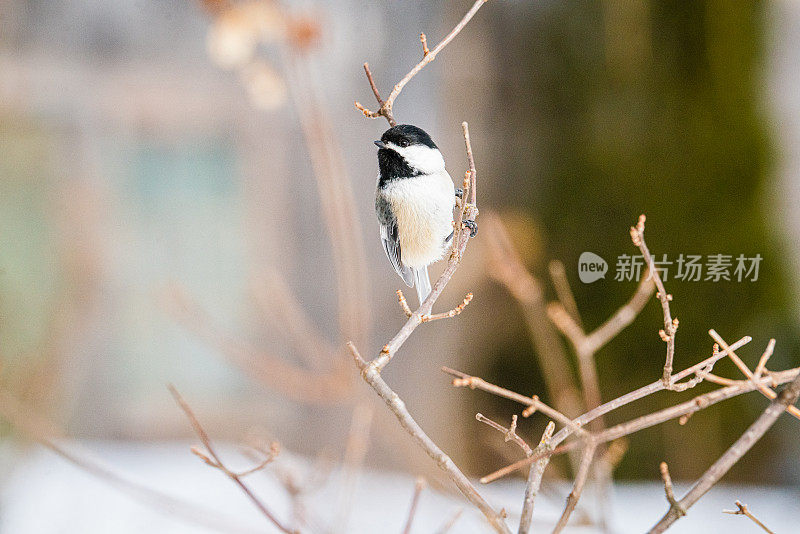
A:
(337, 200)
(398, 408)
(275, 372)
(670, 324)
(214, 460)
(558, 275)
(506, 267)
(743, 510)
(765, 390)
(385, 109)
(698, 403)
(354, 454)
(445, 528)
(533, 403)
(29, 424)
(577, 488)
(669, 490)
(787, 397)
(509, 434)
(412, 512)
(534, 481)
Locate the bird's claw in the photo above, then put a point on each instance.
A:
(459, 193)
(472, 225)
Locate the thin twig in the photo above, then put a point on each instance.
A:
(577, 488)
(533, 403)
(354, 454)
(787, 397)
(558, 275)
(448, 314)
(419, 485)
(445, 528)
(534, 481)
(509, 434)
(28, 423)
(385, 109)
(646, 421)
(670, 324)
(403, 303)
(506, 267)
(398, 408)
(762, 362)
(669, 490)
(216, 462)
(766, 391)
(424, 40)
(743, 510)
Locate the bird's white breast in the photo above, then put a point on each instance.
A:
(423, 206)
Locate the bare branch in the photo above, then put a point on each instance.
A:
(669, 491)
(680, 410)
(506, 267)
(385, 109)
(418, 487)
(450, 522)
(534, 482)
(216, 462)
(558, 275)
(509, 434)
(762, 362)
(670, 324)
(743, 510)
(398, 408)
(533, 403)
(354, 454)
(766, 391)
(577, 488)
(787, 397)
(449, 314)
(28, 423)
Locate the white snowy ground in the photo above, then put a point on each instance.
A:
(42, 494)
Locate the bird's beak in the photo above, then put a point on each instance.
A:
(380, 144)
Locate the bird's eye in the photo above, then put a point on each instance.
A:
(404, 143)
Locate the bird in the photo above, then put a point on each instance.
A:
(414, 201)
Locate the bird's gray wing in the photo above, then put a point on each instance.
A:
(390, 239)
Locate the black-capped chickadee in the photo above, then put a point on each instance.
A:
(414, 201)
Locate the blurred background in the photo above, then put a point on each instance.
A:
(187, 198)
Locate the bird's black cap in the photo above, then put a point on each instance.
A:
(406, 135)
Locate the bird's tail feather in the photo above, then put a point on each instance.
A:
(422, 283)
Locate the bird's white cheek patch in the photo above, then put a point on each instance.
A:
(421, 158)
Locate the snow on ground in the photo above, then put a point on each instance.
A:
(43, 494)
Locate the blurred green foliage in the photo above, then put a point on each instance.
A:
(612, 109)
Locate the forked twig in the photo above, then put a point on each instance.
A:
(385, 109)
(788, 396)
(766, 391)
(743, 510)
(669, 490)
(509, 434)
(214, 460)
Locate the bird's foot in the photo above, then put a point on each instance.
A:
(472, 225)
